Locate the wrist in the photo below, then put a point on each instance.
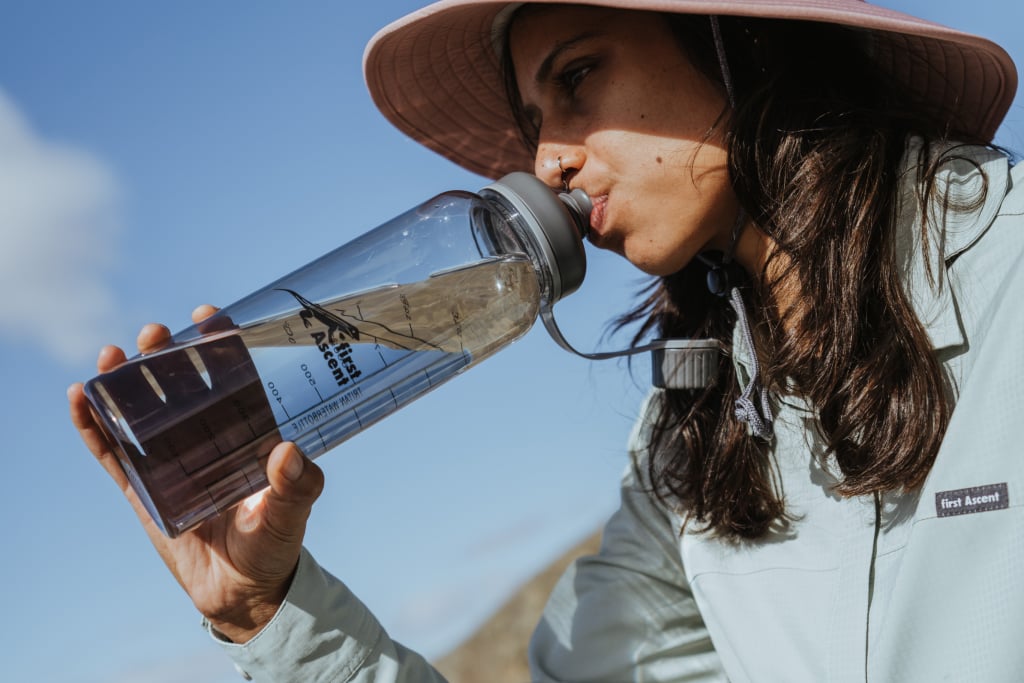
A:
(242, 627)
(250, 615)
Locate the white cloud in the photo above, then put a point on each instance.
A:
(58, 221)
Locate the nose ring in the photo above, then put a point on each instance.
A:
(565, 180)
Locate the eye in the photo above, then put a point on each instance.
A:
(572, 77)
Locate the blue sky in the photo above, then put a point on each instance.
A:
(156, 156)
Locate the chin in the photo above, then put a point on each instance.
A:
(655, 262)
(655, 268)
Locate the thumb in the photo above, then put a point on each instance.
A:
(295, 484)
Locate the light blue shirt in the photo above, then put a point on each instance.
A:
(920, 586)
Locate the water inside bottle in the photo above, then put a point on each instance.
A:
(195, 422)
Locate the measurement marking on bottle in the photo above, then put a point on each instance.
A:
(244, 414)
(322, 440)
(312, 380)
(248, 481)
(213, 501)
(275, 393)
(210, 436)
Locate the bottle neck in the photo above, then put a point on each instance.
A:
(514, 227)
(549, 226)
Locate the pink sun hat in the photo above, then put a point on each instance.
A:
(436, 73)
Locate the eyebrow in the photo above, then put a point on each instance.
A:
(544, 70)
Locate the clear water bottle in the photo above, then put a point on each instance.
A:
(327, 351)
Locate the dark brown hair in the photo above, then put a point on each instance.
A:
(815, 145)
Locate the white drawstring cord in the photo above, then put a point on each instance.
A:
(757, 415)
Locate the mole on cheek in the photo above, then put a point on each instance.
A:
(658, 159)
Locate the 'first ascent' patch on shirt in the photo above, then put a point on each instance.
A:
(974, 499)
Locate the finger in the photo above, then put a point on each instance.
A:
(92, 435)
(152, 337)
(203, 312)
(295, 484)
(109, 358)
(96, 441)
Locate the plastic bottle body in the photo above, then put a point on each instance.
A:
(318, 355)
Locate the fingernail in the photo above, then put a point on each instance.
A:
(293, 465)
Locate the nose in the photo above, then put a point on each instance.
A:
(556, 165)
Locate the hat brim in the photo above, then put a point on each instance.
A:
(436, 75)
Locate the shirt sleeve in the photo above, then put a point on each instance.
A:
(627, 613)
(323, 633)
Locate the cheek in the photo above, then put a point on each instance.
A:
(678, 224)
(703, 201)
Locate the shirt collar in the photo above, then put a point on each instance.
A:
(969, 187)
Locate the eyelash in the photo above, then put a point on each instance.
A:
(570, 78)
(567, 81)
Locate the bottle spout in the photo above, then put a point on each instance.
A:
(580, 207)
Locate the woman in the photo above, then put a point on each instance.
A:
(842, 503)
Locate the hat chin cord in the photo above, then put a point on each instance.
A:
(753, 406)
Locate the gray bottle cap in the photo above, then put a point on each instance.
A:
(685, 363)
(557, 224)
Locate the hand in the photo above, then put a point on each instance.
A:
(236, 567)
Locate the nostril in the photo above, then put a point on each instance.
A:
(548, 170)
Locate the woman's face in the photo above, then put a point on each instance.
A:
(611, 93)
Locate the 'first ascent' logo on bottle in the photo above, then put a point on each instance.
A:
(333, 344)
(974, 499)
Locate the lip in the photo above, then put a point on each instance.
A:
(597, 214)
